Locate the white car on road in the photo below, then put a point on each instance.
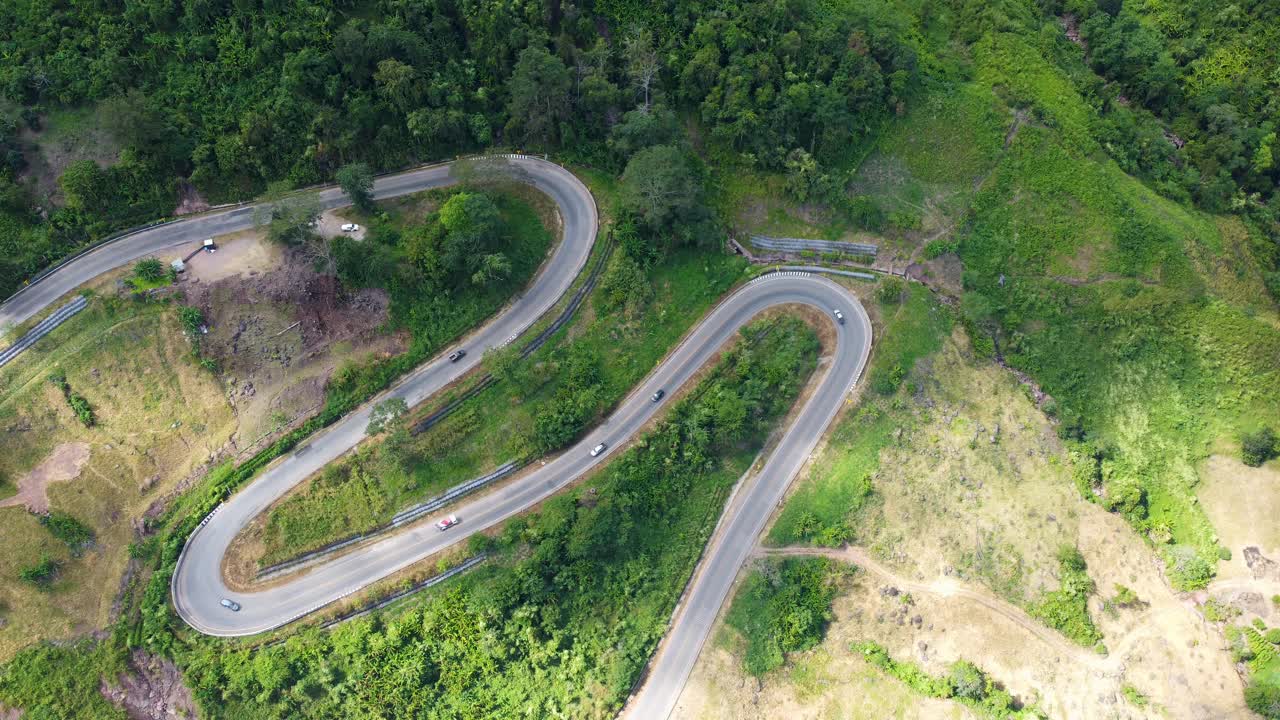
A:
(349, 227)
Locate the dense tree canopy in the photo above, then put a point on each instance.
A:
(234, 96)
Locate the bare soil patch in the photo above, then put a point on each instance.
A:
(1243, 504)
(331, 221)
(63, 464)
(972, 500)
(152, 689)
(243, 253)
(189, 200)
(280, 332)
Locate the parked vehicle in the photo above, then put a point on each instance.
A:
(209, 245)
(350, 227)
(598, 449)
(231, 605)
(447, 523)
(457, 355)
(658, 396)
(839, 316)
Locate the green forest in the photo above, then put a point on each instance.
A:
(235, 96)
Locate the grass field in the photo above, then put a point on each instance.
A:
(158, 417)
(821, 508)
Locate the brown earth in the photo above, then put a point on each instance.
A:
(152, 689)
(278, 330)
(63, 464)
(972, 499)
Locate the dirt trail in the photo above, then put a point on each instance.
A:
(63, 464)
(947, 587)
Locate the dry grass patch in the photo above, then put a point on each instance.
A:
(159, 417)
(1243, 504)
(971, 500)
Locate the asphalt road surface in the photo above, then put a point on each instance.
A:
(178, 238)
(198, 586)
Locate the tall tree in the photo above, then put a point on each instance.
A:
(356, 180)
(660, 187)
(290, 219)
(642, 63)
(539, 90)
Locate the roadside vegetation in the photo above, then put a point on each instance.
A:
(824, 507)
(966, 683)
(784, 606)
(540, 404)
(594, 573)
(444, 272)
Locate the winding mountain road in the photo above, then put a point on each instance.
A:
(198, 585)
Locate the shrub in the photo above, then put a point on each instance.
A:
(938, 247)
(1067, 608)
(1217, 611)
(1263, 698)
(1258, 447)
(191, 319)
(78, 404)
(69, 530)
(968, 681)
(41, 574)
(783, 607)
(1188, 568)
(1125, 597)
(149, 270)
(1134, 695)
(890, 291)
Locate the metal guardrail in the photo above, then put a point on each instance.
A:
(454, 493)
(565, 316)
(44, 327)
(359, 612)
(436, 417)
(401, 518)
(800, 245)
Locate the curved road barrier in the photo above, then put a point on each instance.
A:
(42, 328)
(794, 245)
(198, 586)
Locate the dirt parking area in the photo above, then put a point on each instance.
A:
(331, 221)
(245, 253)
